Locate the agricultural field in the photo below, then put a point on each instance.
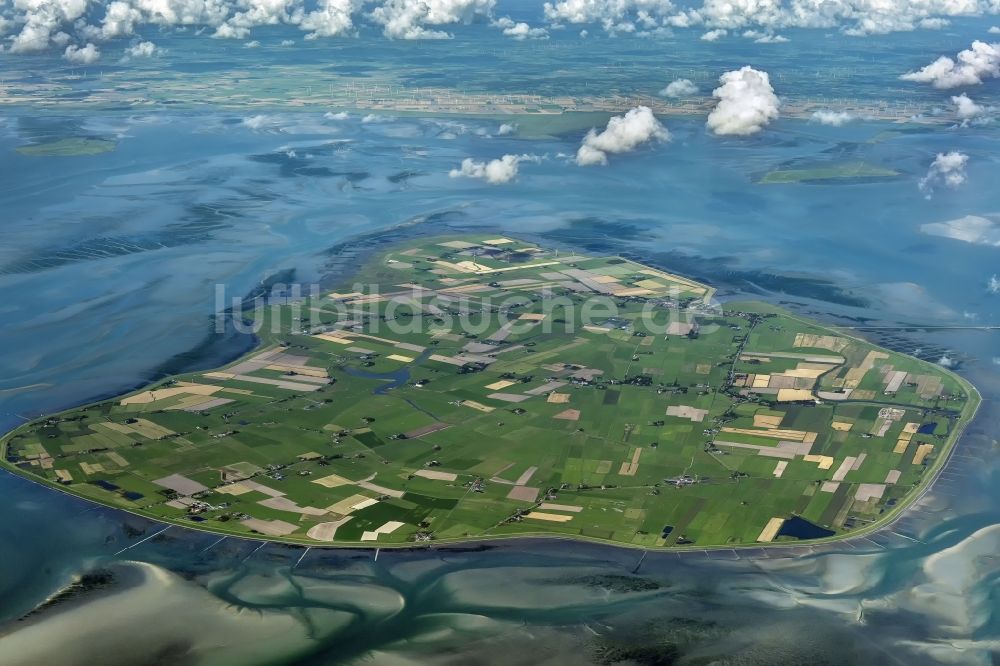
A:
(480, 387)
(66, 147)
(851, 171)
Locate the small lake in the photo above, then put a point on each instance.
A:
(800, 528)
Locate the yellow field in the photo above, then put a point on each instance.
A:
(830, 342)
(825, 462)
(767, 420)
(794, 395)
(352, 503)
(630, 468)
(770, 530)
(331, 337)
(772, 433)
(921, 453)
(502, 384)
(855, 375)
(147, 397)
(551, 517)
(333, 481)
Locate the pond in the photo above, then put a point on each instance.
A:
(800, 528)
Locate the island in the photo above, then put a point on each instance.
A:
(482, 387)
(849, 172)
(68, 147)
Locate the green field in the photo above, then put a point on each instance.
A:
(482, 387)
(832, 172)
(68, 147)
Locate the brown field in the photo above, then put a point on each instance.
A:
(568, 415)
(437, 476)
(269, 527)
(523, 493)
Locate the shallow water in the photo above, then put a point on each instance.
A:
(111, 268)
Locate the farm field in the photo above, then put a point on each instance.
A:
(825, 173)
(481, 387)
(68, 147)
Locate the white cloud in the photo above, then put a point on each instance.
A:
(520, 30)
(341, 115)
(587, 156)
(120, 19)
(947, 169)
(746, 103)
(258, 12)
(210, 13)
(714, 35)
(288, 42)
(408, 19)
(256, 122)
(994, 30)
(971, 66)
(832, 118)
(252, 44)
(680, 88)
(968, 111)
(993, 284)
(621, 135)
(230, 31)
(35, 25)
(934, 23)
(946, 362)
(853, 17)
(142, 50)
(764, 37)
(494, 172)
(614, 16)
(331, 18)
(506, 129)
(82, 55)
(969, 229)
(965, 108)
(40, 22)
